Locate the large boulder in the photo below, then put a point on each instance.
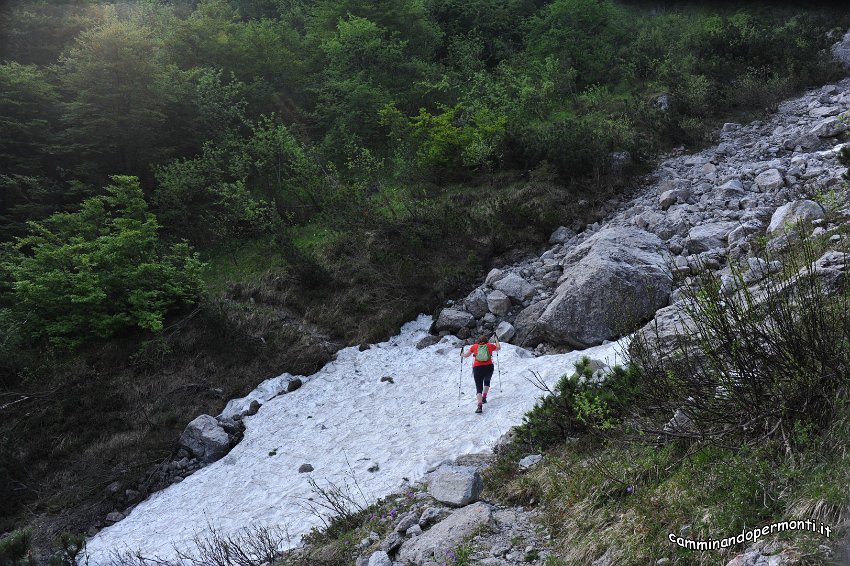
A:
(505, 331)
(668, 333)
(456, 485)
(453, 320)
(515, 287)
(830, 128)
(770, 181)
(435, 543)
(498, 303)
(205, 439)
(612, 282)
(476, 303)
(561, 235)
(791, 213)
(708, 236)
(841, 51)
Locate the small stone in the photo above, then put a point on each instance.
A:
(293, 385)
(114, 517)
(530, 461)
(414, 531)
(407, 521)
(392, 542)
(373, 467)
(304, 468)
(380, 558)
(253, 408)
(387, 379)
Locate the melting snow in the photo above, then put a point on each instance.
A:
(342, 421)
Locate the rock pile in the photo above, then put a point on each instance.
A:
(699, 211)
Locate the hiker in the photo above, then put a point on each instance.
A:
(482, 367)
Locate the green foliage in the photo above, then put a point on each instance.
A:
(70, 545)
(90, 274)
(844, 159)
(27, 106)
(579, 403)
(758, 363)
(454, 139)
(116, 114)
(15, 547)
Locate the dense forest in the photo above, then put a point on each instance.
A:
(195, 193)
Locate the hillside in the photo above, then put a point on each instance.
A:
(199, 195)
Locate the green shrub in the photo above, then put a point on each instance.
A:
(90, 274)
(578, 404)
(756, 363)
(15, 547)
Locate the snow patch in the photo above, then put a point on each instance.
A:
(341, 421)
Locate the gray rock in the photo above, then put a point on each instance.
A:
(410, 519)
(413, 531)
(431, 515)
(446, 535)
(476, 303)
(453, 320)
(770, 181)
(561, 235)
(392, 542)
(515, 287)
(732, 189)
(493, 276)
(253, 408)
(841, 51)
(829, 128)
(305, 468)
(613, 268)
(530, 460)
(293, 385)
(791, 213)
(114, 517)
(380, 558)
(665, 335)
(505, 331)
(498, 303)
(429, 340)
(744, 231)
(205, 439)
(456, 485)
(708, 236)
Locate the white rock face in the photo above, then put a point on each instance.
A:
(790, 213)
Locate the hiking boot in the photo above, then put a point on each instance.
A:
(484, 399)
(479, 409)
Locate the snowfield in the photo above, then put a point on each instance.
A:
(342, 421)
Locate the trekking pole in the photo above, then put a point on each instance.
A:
(460, 376)
(499, 366)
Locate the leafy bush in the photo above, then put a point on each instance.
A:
(583, 401)
(95, 272)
